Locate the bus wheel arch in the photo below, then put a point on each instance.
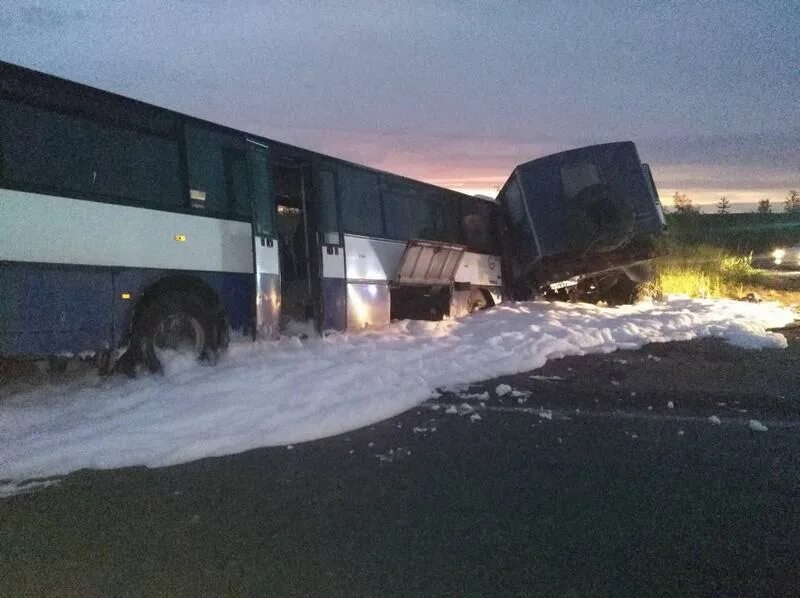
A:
(175, 309)
(480, 299)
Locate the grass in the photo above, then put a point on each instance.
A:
(738, 233)
(704, 271)
(712, 256)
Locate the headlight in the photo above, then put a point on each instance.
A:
(778, 255)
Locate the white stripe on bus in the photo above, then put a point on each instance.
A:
(47, 229)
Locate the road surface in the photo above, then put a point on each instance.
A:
(603, 476)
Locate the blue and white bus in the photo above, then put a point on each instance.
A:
(125, 225)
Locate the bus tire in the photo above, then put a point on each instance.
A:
(176, 320)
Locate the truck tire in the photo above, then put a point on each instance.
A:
(177, 321)
(625, 292)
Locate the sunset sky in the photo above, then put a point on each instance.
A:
(457, 93)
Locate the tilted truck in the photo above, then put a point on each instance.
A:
(582, 224)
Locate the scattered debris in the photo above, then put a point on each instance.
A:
(680, 432)
(715, 420)
(289, 447)
(615, 382)
(483, 396)
(393, 454)
(502, 390)
(756, 426)
(654, 358)
(546, 413)
(670, 405)
(548, 378)
(475, 417)
(452, 410)
(752, 298)
(423, 429)
(520, 393)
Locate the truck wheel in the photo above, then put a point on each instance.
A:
(624, 292)
(175, 322)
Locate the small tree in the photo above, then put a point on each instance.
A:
(723, 206)
(683, 204)
(764, 206)
(792, 202)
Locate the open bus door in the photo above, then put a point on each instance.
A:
(266, 263)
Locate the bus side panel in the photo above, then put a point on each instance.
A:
(49, 309)
(334, 304)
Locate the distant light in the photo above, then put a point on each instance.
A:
(125, 296)
(778, 255)
(180, 238)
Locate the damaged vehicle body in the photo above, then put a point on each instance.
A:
(580, 224)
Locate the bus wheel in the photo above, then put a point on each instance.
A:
(477, 301)
(176, 323)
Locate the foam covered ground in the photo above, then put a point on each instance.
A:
(292, 390)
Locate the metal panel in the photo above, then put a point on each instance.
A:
(268, 304)
(425, 262)
(368, 305)
(60, 230)
(372, 259)
(48, 309)
(332, 261)
(479, 269)
(334, 304)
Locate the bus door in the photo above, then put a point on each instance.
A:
(333, 281)
(266, 262)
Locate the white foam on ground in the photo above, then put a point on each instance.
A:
(290, 391)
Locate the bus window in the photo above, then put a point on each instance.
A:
(476, 226)
(395, 207)
(329, 217)
(217, 168)
(53, 152)
(361, 202)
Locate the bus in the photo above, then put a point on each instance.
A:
(131, 230)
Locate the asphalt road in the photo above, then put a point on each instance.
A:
(590, 485)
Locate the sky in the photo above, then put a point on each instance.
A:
(457, 92)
